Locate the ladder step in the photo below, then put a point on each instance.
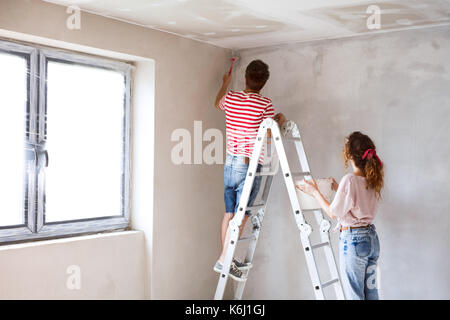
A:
(245, 238)
(292, 139)
(321, 244)
(310, 210)
(256, 207)
(300, 174)
(329, 283)
(243, 279)
(265, 173)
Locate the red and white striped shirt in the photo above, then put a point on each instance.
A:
(244, 113)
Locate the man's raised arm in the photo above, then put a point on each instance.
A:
(223, 90)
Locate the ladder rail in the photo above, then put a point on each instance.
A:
(305, 229)
(329, 255)
(235, 223)
(318, 214)
(304, 164)
(239, 290)
(255, 234)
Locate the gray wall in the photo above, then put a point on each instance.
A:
(394, 87)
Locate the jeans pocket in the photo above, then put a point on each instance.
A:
(362, 246)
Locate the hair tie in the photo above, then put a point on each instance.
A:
(370, 153)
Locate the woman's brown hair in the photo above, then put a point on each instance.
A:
(361, 149)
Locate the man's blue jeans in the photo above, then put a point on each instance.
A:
(235, 172)
(358, 254)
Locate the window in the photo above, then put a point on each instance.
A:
(65, 126)
(12, 129)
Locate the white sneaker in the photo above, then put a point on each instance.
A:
(218, 267)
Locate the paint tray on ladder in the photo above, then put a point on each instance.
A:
(308, 202)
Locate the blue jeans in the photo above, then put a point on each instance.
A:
(234, 176)
(358, 254)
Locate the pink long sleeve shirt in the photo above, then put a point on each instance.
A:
(354, 205)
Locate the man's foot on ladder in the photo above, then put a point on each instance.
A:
(234, 273)
(242, 265)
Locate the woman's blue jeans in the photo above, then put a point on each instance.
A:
(358, 254)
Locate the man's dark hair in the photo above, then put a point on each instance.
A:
(256, 75)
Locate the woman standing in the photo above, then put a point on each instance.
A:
(355, 206)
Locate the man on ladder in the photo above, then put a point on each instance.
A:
(244, 112)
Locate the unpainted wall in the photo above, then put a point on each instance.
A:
(396, 88)
(96, 267)
(177, 207)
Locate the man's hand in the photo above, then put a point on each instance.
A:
(280, 119)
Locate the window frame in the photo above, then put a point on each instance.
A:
(34, 226)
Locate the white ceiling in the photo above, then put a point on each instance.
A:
(239, 24)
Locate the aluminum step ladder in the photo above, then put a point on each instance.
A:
(291, 134)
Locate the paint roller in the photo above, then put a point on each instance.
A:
(232, 64)
(233, 60)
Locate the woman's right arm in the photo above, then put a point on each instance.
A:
(324, 203)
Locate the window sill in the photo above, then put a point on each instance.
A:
(39, 243)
